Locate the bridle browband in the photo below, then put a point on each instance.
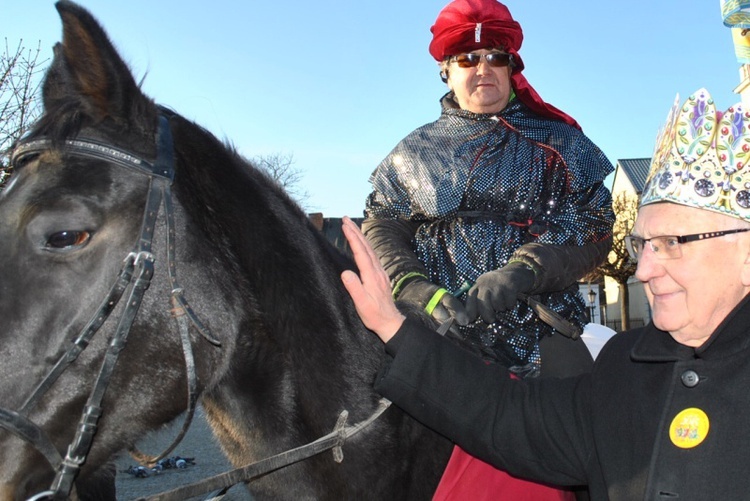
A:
(135, 274)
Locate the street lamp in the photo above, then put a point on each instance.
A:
(592, 305)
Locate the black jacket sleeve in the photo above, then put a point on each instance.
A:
(537, 429)
(558, 266)
(391, 239)
(555, 266)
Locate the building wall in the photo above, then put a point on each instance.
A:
(640, 312)
(621, 182)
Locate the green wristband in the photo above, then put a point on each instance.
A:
(435, 300)
(404, 280)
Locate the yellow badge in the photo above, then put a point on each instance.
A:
(689, 428)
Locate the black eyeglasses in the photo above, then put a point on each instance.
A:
(668, 247)
(494, 59)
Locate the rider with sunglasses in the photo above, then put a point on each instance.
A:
(500, 198)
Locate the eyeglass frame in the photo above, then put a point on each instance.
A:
(509, 61)
(680, 239)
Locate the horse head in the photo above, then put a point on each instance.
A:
(119, 211)
(73, 236)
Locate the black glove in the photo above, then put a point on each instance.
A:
(498, 290)
(421, 292)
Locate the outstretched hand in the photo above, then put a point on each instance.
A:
(371, 290)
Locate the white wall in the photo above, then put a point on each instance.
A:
(639, 308)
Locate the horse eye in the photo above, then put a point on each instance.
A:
(68, 239)
(25, 159)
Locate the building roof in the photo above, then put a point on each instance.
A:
(636, 169)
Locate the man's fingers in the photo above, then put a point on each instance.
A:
(367, 261)
(371, 290)
(357, 241)
(353, 286)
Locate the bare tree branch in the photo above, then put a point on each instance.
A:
(281, 168)
(20, 72)
(619, 265)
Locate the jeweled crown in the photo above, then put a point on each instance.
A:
(700, 158)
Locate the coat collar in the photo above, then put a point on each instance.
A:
(731, 336)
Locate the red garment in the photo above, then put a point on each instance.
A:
(467, 25)
(468, 478)
(455, 29)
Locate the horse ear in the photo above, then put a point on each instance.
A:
(87, 69)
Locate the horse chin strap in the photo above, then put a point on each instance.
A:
(135, 274)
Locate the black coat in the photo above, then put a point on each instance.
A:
(610, 428)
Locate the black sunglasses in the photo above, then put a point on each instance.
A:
(494, 59)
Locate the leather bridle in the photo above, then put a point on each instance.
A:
(135, 275)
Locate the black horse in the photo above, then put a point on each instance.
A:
(283, 352)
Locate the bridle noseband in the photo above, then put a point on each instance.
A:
(135, 274)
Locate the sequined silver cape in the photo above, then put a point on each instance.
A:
(483, 185)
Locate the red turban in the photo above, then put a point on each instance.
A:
(467, 25)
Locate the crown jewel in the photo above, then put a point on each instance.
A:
(700, 158)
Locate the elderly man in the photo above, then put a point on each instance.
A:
(663, 413)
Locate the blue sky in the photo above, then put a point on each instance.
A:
(336, 84)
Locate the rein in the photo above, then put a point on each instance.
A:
(219, 484)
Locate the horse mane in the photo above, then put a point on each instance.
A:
(242, 207)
